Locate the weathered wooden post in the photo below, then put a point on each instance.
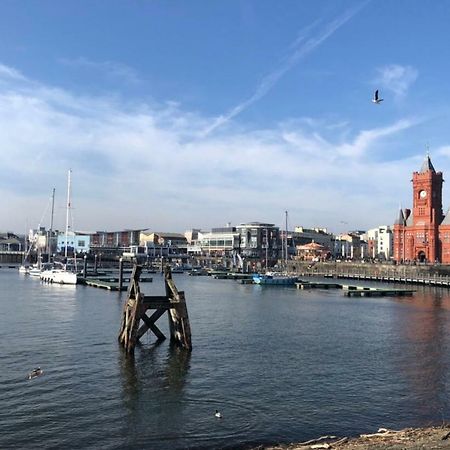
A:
(85, 266)
(180, 328)
(120, 274)
(137, 304)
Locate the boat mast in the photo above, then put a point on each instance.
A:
(267, 249)
(286, 241)
(67, 212)
(50, 233)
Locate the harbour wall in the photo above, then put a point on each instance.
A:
(11, 257)
(370, 270)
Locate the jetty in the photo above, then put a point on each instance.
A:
(355, 290)
(364, 291)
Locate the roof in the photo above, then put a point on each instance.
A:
(400, 218)
(427, 165)
(446, 220)
(311, 246)
(410, 220)
(163, 234)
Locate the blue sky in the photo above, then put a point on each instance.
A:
(175, 115)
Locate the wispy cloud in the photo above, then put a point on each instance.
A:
(302, 46)
(108, 68)
(396, 78)
(138, 157)
(10, 73)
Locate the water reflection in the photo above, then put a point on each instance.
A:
(153, 383)
(424, 359)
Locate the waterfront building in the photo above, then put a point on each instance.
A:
(380, 243)
(76, 243)
(114, 243)
(115, 239)
(220, 241)
(349, 246)
(10, 242)
(258, 240)
(320, 236)
(158, 243)
(423, 233)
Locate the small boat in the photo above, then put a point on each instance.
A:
(198, 272)
(35, 373)
(60, 274)
(271, 278)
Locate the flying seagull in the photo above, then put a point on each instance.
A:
(376, 99)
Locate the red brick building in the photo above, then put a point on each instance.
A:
(423, 234)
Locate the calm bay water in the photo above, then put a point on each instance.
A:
(281, 365)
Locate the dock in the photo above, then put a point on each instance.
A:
(104, 284)
(364, 291)
(356, 291)
(233, 276)
(317, 285)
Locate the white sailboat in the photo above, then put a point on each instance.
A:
(62, 273)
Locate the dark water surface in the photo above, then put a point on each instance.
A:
(280, 364)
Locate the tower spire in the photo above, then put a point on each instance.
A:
(427, 164)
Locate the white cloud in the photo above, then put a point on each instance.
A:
(9, 72)
(396, 78)
(138, 165)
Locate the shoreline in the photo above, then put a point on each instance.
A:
(437, 437)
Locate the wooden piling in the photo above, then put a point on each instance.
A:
(85, 266)
(121, 273)
(137, 304)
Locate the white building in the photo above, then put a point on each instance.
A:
(381, 242)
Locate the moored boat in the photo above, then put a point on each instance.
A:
(275, 279)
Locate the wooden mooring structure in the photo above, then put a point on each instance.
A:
(136, 307)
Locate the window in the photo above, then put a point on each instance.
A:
(81, 244)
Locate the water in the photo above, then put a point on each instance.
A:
(281, 365)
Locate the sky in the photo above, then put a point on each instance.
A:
(175, 115)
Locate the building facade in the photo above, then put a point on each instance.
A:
(423, 233)
(380, 243)
(259, 240)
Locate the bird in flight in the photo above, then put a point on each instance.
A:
(376, 99)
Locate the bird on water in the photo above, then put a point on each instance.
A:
(376, 99)
(218, 414)
(35, 373)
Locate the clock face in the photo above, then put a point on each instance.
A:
(423, 194)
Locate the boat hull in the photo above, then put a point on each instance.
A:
(59, 276)
(275, 280)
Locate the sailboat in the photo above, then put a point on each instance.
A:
(277, 278)
(61, 273)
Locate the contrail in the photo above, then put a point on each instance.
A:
(302, 47)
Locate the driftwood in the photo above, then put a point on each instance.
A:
(136, 307)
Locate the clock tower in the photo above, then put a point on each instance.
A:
(416, 234)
